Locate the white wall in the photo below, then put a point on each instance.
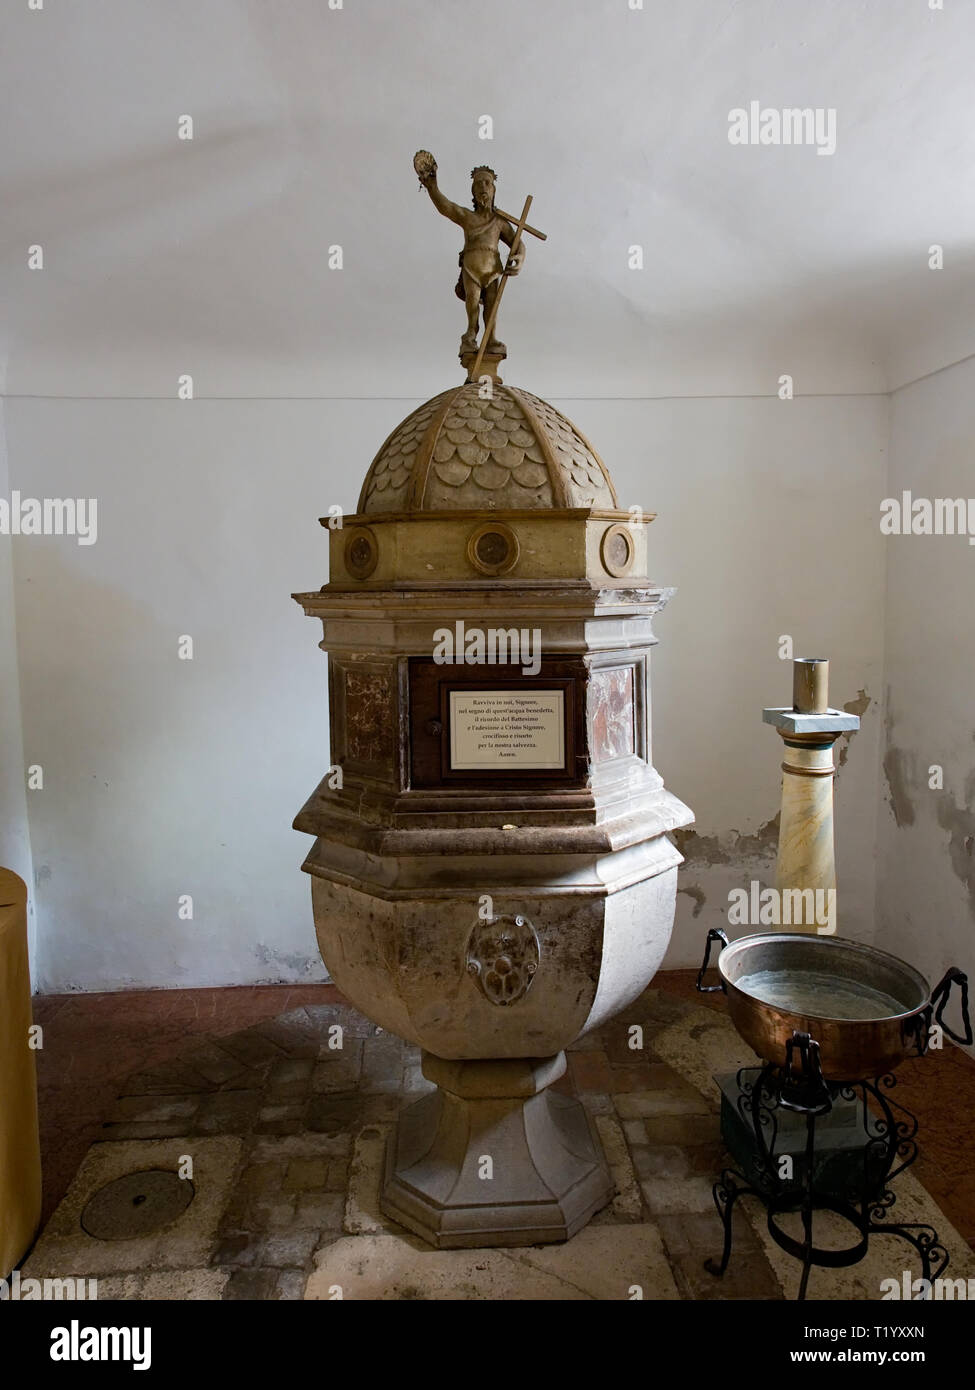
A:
(165, 255)
(767, 526)
(926, 850)
(14, 835)
(165, 777)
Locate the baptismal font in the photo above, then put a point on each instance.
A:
(492, 874)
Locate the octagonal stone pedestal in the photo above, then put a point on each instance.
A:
(493, 1157)
(397, 935)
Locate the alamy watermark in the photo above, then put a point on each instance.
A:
(792, 125)
(943, 1290)
(756, 906)
(492, 646)
(908, 515)
(50, 516)
(19, 1290)
(77, 1343)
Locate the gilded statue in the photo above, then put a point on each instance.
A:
(482, 272)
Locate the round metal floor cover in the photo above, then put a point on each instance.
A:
(138, 1204)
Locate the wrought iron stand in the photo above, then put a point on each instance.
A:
(889, 1147)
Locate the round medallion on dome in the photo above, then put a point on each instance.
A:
(616, 551)
(493, 548)
(361, 552)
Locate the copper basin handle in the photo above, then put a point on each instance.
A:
(917, 1029)
(715, 934)
(939, 999)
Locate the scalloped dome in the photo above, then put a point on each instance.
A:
(459, 451)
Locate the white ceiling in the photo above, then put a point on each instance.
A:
(209, 257)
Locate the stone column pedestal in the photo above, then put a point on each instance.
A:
(806, 854)
(492, 1157)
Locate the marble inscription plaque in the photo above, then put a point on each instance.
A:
(498, 729)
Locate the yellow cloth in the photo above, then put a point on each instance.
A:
(20, 1154)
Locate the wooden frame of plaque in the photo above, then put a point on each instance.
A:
(431, 686)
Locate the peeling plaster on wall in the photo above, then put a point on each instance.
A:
(696, 894)
(959, 822)
(121, 984)
(709, 850)
(859, 707)
(700, 849)
(762, 845)
(289, 964)
(900, 770)
(899, 767)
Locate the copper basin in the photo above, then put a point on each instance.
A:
(866, 1008)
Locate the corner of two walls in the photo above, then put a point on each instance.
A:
(926, 833)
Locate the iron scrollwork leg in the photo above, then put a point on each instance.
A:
(757, 1102)
(866, 1202)
(893, 1148)
(730, 1186)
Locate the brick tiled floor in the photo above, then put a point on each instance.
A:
(93, 1041)
(261, 1064)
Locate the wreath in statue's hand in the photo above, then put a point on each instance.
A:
(425, 165)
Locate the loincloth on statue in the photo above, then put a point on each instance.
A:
(459, 290)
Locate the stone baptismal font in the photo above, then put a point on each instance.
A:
(491, 874)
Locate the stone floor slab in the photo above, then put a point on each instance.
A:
(385, 1267)
(66, 1248)
(627, 1204)
(610, 1262)
(366, 1171)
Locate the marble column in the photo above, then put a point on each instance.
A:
(806, 855)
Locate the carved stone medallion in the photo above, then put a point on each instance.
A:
(502, 956)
